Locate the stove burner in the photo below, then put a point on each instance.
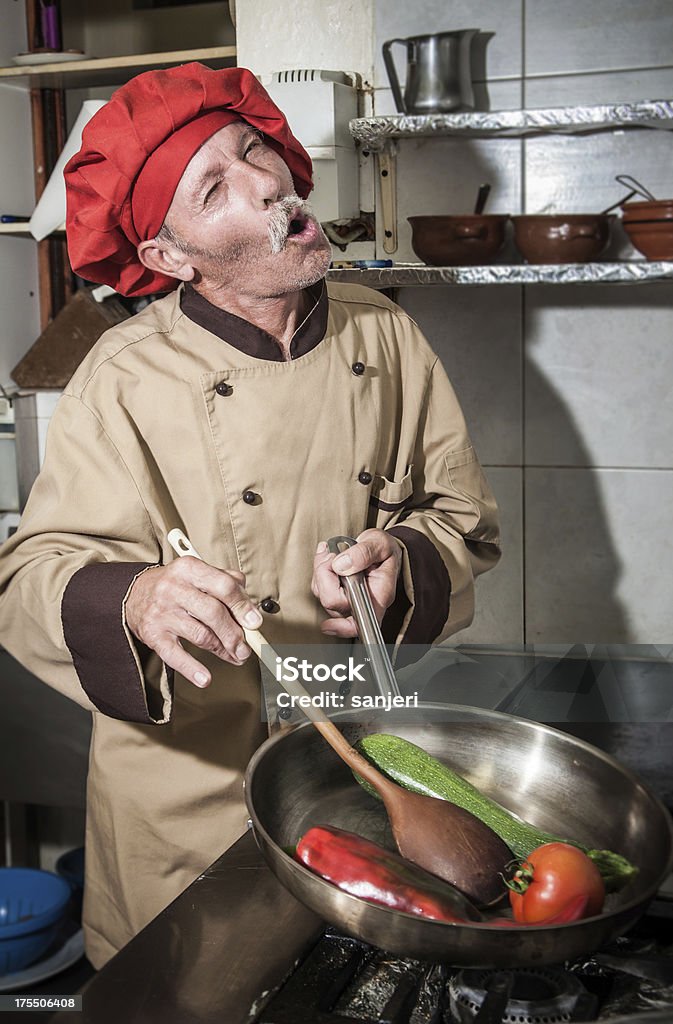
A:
(537, 995)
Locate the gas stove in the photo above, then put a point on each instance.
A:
(341, 981)
(237, 948)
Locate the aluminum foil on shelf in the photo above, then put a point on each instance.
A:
(374, 131)
(411, 274)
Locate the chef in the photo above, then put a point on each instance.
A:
(261, 411)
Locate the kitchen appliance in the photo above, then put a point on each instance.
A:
(438, 73)
(561, 238)
(318, 106)
(456, 241)
(548, 777)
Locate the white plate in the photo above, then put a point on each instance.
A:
(66, 956)
(27, 59)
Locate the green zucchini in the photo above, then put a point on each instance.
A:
(412, 767)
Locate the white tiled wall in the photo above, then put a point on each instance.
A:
(598, 555)
(498, 616)
(576, 173)
(609, 87)
(599, 376)
(482, 359)
(573, 35)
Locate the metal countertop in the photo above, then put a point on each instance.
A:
(232, 935)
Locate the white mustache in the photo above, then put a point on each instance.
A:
(280, 216)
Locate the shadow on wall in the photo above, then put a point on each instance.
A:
(479, 57)
(590, 530)
(580, 592)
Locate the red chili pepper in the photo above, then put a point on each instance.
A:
(362, 868)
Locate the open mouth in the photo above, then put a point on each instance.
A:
(298, 222)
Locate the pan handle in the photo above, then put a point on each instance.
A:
(369, 630)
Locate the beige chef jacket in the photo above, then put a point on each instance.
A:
(172, 418)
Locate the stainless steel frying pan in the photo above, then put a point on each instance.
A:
(557, 782)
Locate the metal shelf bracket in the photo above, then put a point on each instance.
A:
(387, 169)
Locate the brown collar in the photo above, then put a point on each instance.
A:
(251, 339)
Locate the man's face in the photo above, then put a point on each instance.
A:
(229, 215)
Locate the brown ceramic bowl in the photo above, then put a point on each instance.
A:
(561, 238)
(656, 209)
(653, 238)
(455, 241)
(649, 226)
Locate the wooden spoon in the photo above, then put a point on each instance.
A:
(435, 834)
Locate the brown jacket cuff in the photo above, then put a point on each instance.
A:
(108, 660)
(429, 589)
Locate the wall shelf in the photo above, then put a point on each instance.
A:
(374, 132)
(105, 71)
(380, 135)
(19, 228)
(417, 274)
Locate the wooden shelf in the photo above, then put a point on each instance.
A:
(104, 71)
(20, 228)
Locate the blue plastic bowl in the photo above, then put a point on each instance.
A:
(33, 905)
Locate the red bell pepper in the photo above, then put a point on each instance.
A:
(362, 868)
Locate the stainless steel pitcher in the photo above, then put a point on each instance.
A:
(439, 74)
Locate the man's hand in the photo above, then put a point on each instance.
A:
(190, 599)
(378, 555)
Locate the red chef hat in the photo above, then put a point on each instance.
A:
(134, 151)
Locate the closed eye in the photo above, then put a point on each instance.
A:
(213, 188)
(255, 142)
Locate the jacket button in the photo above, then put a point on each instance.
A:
(249, 497)
(358, 369)
(269, 606)
(224, 389)
(365, 478)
